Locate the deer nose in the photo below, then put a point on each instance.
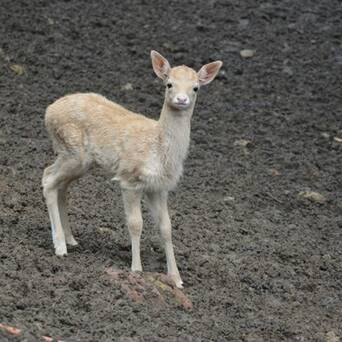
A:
(183, 99)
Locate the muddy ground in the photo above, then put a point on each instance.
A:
(259, 262)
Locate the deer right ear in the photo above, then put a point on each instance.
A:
(160, 65)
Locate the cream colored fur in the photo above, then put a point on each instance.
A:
(141, 154)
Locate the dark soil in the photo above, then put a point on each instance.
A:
(259, 262)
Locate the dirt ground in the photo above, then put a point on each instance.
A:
(259, 261)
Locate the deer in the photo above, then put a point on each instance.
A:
(143, 155)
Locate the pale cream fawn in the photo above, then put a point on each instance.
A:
(144, 156)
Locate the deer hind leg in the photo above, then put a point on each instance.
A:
(65, 169)
(62, 207)
(50, 191)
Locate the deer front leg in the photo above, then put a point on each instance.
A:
(132, 205)
(158, 206)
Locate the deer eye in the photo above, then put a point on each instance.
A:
(169, 85)
(195, 89)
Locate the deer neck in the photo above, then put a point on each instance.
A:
(175, 130)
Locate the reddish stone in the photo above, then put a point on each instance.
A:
(149, 287)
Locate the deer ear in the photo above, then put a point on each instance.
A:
(208, 72)
(160, 65)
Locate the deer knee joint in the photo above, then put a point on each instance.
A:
(49, 194)
(165, 231)
(135, 225)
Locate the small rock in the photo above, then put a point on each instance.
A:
(127, 86)
(242, 142)
(17, 68)
(326, 257)
(103, 230)
(228, 199)
(337, 139)
(313, 196)
(331, 337)
(274, 172)
(247, 53)
(288, 70)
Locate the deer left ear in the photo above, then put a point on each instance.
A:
(208, 72)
